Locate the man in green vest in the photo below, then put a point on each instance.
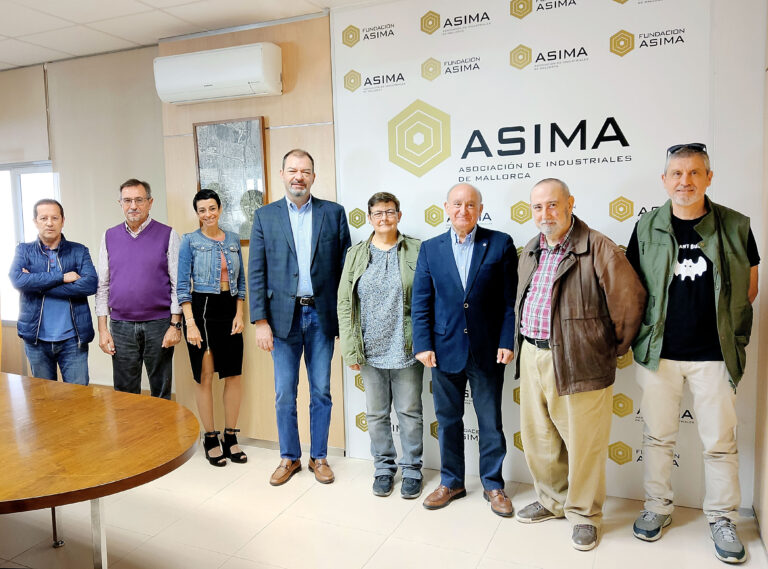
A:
(698, 260)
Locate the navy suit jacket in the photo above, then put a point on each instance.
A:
(273, 268)
(451, 321)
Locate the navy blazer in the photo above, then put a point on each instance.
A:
(273, 269)
(451, 321)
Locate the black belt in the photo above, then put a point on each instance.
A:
(305, 300)
(541, 344)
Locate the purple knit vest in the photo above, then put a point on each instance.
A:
(139, 285)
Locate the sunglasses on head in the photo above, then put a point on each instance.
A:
(695, 146)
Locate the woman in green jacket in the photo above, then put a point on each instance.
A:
(374, 311)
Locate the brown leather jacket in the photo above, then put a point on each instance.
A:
(597, 307)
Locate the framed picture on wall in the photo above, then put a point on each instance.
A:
(230, 161)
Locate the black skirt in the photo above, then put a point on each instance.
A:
(213, 315)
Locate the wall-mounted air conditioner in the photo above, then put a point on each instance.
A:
(252, 70)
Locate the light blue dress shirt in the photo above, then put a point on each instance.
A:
(462, 253)
(301, 226)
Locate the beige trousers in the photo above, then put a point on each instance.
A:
(565, 440)
(714, 405)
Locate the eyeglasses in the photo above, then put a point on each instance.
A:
(695, 146)
(380, 214)
(137, 201)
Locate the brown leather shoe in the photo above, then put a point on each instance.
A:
(500, 503)
(443, 496)
(283, 473)
(322, 470)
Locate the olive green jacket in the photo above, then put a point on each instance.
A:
(348, 308)
(724, 234)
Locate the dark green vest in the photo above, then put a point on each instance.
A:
(724, 233)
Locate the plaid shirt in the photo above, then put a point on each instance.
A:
(537, 309)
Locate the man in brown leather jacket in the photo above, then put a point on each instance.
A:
(579, 306)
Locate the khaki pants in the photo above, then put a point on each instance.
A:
(565, 440)
(714, 403)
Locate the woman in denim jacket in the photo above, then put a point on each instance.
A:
(211, 291)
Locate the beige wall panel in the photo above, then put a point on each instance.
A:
(761, 419)
(23, 120)
(306, 98)
(105, 126)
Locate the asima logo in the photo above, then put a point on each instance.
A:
(419, 138)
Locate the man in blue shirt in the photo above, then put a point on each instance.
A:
(54, 277)
(297, 251)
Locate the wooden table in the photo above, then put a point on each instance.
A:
(62, 443)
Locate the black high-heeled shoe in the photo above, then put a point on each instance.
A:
(230, 440)
(210, 442)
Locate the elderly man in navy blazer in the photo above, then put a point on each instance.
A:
(297, 251)
(464, 329)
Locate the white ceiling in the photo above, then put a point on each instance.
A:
(37, 31)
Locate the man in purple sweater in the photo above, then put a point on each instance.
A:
(138, 261)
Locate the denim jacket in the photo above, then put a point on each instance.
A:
(200, 263)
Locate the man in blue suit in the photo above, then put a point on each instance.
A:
(297, 253)
(464, 329)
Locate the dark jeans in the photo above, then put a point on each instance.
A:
(71, 358)
(448, 391)
(137, 343)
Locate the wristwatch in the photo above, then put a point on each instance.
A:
(176, 325)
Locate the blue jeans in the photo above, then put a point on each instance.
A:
(71, 358)
(137, 343)
(403, 387)
(448, 390)
(306, 336)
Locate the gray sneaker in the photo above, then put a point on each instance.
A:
(728, 547)
(534, 513)
(410, 488)
(383, 484)
(584, 537)
(648, 525)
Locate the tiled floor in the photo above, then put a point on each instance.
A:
(231, 518)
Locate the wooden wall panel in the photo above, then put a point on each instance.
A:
(301, 117)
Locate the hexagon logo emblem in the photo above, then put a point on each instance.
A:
(357, 218)
(430, 22)
(419, 138)
(518, 440)
(622, 42)
(621, 208)
(433, 429)
(620, 453)
(521, 212)
(359, 382)
(625, 360)
(520, 8)
(430, 69)
(622, 405)
(516, 395)
(433, 215)
(520, 56)
(350, 36)
(361, 421)
(352, 81)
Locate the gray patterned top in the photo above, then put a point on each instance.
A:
(380, 289)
